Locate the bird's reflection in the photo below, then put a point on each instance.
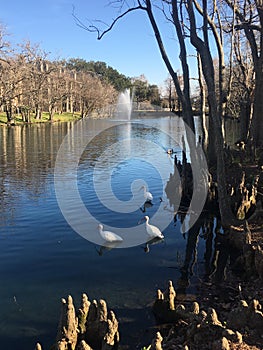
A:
(146, 205)
(107, 246)
(155, 240)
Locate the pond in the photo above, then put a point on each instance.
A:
(57, 183)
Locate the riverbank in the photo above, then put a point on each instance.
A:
(58, 117)
(69, 117)
(226, 313)
(223, 316)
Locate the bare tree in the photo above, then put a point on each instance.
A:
(215, 107)
(249, 19)
(93, 95)
(242, 87)
(174, 102)
(36, 74)
(170, 92)
(56, 91)
(31, 84)
(13, 75)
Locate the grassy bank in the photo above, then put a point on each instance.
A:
(65, 117)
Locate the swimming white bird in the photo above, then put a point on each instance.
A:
(109, 236)
(147, 195)
(152, 230)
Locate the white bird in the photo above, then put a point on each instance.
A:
(152, 230)
(147, 195)
(109, 236)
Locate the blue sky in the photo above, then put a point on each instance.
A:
(130, 47)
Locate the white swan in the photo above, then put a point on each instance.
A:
(147, 195)
(109, 236)
(152, 230)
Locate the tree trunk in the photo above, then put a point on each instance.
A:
(9, 114)
(184, 95)
(204, 122)
(257, 119)
(244, 119)
(227, 216)
(256, 46)
(38, 114)
(51, 112)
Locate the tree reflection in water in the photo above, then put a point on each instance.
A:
(218, 251)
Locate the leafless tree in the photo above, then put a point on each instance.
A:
(13, 75)
(249, 20)
(30, 83)
(55, 87)
(173, 100)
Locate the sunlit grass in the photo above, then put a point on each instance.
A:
(65, 117)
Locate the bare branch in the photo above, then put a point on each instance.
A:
(251, 26)
(92, 28)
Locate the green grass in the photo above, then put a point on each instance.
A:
(65, 117)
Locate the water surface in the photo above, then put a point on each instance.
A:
(44, 259)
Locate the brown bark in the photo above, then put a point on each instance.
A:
(257, 118)
(252, 31)
(202, 105)
(216, 117)
(184, 96)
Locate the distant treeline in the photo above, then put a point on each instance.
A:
(31, 84)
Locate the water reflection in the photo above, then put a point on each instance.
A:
(107, 246)
(146, 205)
(153, 241)
(206, 228)
(27, 158)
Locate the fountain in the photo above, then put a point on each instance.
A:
(124, 106)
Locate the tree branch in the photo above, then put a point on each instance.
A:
(92, 28)
(251, 26)
(249, 33)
